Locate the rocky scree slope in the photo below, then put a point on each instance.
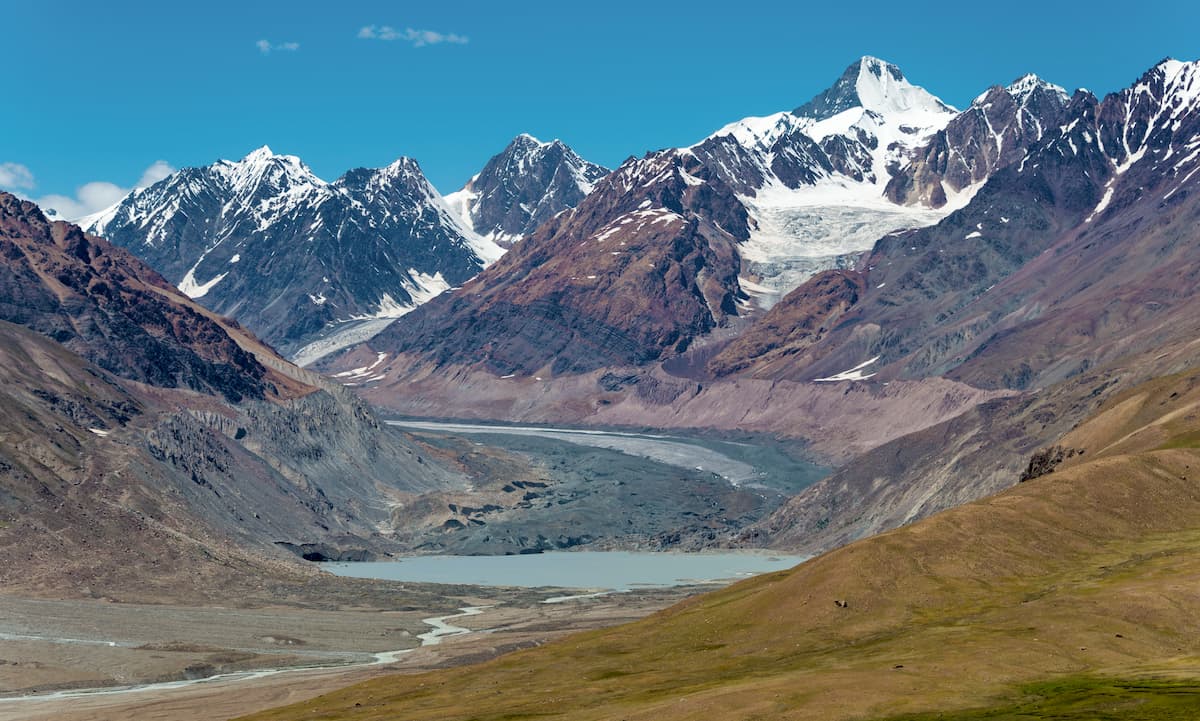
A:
(139, 426)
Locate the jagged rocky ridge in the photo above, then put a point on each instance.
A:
(522, 187)
(773, 195)
(997, 130)
(307, 265)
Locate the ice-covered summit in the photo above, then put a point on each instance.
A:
(263, 166)
(875, 85)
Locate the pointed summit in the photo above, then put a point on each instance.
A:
(262, 167)
(1029, 83)
(525, 140)
(526, 184)
(259, 153)
(872, 84)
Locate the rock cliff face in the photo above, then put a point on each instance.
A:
(997, 130)
(524, 186)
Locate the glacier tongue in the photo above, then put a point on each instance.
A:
(799, 233)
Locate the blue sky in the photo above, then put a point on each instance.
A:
(96, 93)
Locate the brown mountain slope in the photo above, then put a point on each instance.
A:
(146, 443)
(639, 270)
(1090, 572)
(102, 303)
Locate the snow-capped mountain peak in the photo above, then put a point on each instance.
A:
(262, 152)
(813, 179)
(262, 166)
(876, 85)
(1029, 83)
(525, 139)
(1181, 83)
(328, 256)
(526, 184)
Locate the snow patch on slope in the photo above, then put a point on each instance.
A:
(193, 289)
(854, 374)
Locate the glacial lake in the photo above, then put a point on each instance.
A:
(591, 570)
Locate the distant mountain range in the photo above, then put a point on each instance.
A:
(294, 258)
(678, 245)
(1046, 261)
(818, 183)
(313, 266)
(870, 264)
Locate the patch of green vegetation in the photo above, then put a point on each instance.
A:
(1184, 440)
(607, 674)
(1088, 699)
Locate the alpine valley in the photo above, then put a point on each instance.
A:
(947, 356)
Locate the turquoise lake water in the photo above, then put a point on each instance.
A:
(592, 570)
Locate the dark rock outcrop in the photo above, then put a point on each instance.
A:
(997, 130)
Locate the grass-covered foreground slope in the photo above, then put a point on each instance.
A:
(1075, 595)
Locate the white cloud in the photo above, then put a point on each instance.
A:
(89, 198)
(15, 176)
(418, 38)
(266, 47)
(157, 171)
